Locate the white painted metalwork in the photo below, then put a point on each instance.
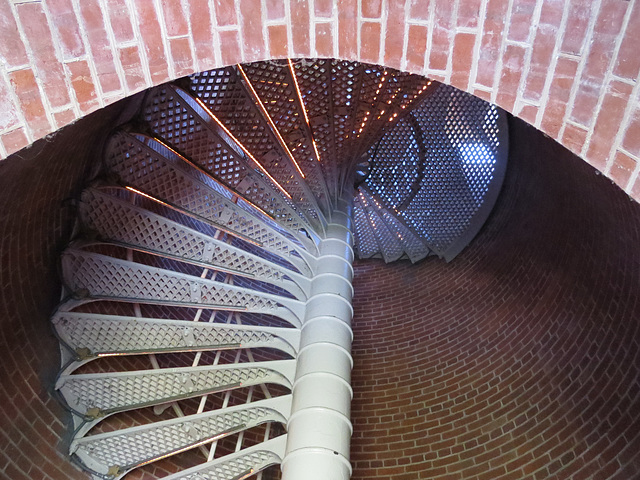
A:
(91, 335)
(412, 246)
(319, 429)
(389, 245)
(97, 276)
(381, 233)
(96, 395)
(241, 144)
(176, 184)
(117, 221)
(117, 453)
(441, 168)
(230, 237)
(237, 466)
(279, 81)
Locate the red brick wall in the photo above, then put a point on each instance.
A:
(568, 67)
(523, 353)
(521, 358)
(35, 224)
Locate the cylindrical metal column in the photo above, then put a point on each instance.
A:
(319, 429)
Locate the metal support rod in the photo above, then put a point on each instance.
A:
(319, 429)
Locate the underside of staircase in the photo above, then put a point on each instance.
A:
(205, 325)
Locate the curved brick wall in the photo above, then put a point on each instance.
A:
(519, 359)
(36, 223)
(568, 67)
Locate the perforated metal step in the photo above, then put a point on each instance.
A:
(95, 276)
(269, 84)
(389, 245)
(117, 453)
(238, 466)
(117, 221)
(412, 246)
(96, 395)
(441, 168)
(173, 182)
(380, 233)
(90, 335)
(198, 127)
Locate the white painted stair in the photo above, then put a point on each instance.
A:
(206, 316)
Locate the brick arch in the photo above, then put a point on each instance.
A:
(567, 67)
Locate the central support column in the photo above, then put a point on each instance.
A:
(319, 429)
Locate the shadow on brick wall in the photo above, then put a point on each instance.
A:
(36, 221)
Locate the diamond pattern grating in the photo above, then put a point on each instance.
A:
(131, 447)
(462, 142)
(199, 243)
(119, 221)
(101, 394)
(238, 466)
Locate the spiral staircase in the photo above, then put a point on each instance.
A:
(205, 322)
